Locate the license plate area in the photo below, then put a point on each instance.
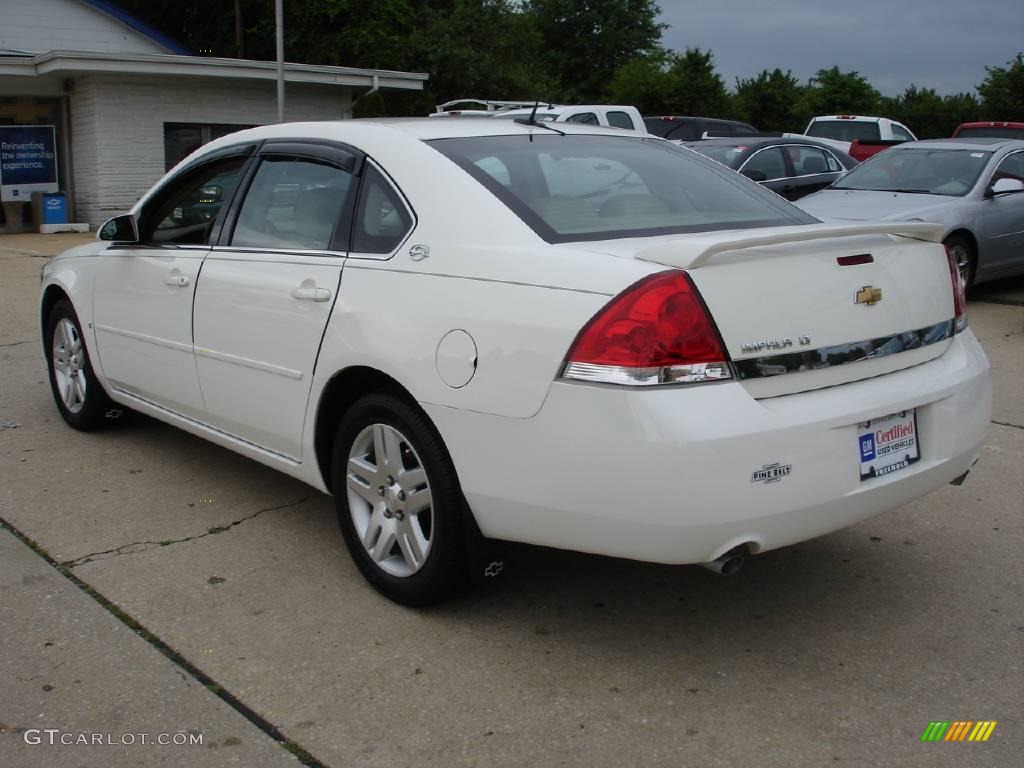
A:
(888, 444)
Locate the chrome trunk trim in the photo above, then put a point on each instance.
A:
(841, 354)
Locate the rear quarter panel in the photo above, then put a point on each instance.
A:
(393, 320)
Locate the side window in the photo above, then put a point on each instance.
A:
(292, 203)
(184, 212)
(899, 133)
(620, 120)
(769, 161)
(382, 220)
(1012, 167)
(587, 118)
(808, 161)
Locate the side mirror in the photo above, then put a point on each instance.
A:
(754, 174)
(1005, 186)
(120, 229)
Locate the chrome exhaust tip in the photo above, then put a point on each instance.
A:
(726, 565)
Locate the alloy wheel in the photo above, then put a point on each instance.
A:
(69, 365)
(962, 259)
(389, 499)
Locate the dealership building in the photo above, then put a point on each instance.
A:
(97, 104)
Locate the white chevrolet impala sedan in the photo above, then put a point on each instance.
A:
(478, 330)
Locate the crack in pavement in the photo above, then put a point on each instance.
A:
(1008, 424)
(16, 343)
(142, 546)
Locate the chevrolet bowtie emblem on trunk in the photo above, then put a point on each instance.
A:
(868, 295)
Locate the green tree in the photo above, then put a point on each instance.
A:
(695, 88)
(832, 91)
(961, 108)
(1002, 92)
(929, 115)
(584, 42)
(770, 101)
(645, 83)
(476, 49)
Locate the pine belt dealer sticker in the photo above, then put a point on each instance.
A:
(888, 444)
(771, 473)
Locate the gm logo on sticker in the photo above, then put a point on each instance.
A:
(867, 447)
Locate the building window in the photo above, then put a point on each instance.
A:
(181, 139)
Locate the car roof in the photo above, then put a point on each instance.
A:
(991, 124)
(755, 141)
(691, 117)
(851, 118)
(417, 128)
(984, 143)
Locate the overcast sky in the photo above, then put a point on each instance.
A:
(940, 44)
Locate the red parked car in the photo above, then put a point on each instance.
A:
(989, 131)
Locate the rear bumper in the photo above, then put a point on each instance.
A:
(666, 476)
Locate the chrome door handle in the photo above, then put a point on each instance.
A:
(311, 294)
(177, 281)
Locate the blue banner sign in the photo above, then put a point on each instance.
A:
(28, 161)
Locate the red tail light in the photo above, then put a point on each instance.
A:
(959, 294)
(657, 331)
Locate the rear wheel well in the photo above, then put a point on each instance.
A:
(51, 296)
(341, 392)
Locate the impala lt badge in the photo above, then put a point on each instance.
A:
(760, 346)
(868, 295)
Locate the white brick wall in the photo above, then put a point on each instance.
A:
(117, 127)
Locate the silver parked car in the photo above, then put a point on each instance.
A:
(975, 187)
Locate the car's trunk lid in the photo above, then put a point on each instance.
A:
(801, 308)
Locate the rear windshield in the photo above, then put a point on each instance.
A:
(845, 130)
(577, 187)
(990, 132)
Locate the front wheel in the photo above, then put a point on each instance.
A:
(398, 500)
(77, 392)
(964, 257)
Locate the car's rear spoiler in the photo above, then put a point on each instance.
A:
(695, 250)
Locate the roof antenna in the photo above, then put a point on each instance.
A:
(533, 112)
(532, 119)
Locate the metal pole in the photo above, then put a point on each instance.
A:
(279, 21)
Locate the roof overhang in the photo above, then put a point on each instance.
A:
(69, 63)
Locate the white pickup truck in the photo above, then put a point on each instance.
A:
(609, 115)
(867, 135)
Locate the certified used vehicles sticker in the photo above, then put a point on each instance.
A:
(771, 473)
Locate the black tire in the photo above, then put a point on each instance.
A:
(96, 409)
(443, 572)
(959, 244)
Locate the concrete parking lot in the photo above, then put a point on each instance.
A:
(214, 596)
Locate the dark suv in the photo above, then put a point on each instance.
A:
(693, 128)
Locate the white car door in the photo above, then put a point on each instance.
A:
(142, 301)
(265, 295)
